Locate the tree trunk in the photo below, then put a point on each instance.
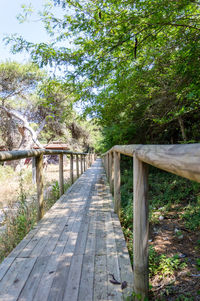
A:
(181, 124)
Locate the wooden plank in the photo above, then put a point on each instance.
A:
(117, 183)
(33, 280)
(87, 279)
(126, 271)
(5, 265)
(60, 278)
(100, 278)
(140, 228)
(61, 175)
(72, 285)
(13, 282)
(114, 291)
(54, 268)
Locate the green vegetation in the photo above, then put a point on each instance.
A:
(171, 197)
(21, 213)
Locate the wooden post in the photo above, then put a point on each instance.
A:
(111, 168)
(77, 167)
(71, 169)
(107, 166)
(40, 185)
(61, 175)
(117, 182)
(81, 164)
(34, 170)
(84, 167)
(140, 228)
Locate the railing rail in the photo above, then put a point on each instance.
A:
(180, 159)
(86, 159)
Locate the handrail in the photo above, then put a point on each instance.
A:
(180, 159)
(86, 159)
(22, 154)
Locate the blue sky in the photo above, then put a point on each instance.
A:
(32, 31)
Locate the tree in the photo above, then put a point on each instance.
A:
(135, 63)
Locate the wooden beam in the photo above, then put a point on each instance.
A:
(140, 228)
(40, 185)
(117, 183)
(71, 169)
(77, 166)
(61, 175)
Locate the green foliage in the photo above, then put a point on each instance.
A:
(162, 265)
(135, 64)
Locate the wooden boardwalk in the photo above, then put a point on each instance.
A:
(72, 252)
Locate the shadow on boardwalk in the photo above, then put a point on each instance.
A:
(72, 251)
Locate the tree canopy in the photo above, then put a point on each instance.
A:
(134, 63)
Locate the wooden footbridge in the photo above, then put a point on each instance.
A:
(77, 250)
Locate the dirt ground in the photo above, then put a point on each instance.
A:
(184, 284)
(10, 183)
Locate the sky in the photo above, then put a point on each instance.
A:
(32, 31)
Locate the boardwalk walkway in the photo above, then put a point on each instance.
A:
(71, 253)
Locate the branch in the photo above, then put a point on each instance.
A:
(26, 124)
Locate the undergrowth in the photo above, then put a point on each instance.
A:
(167, 192)
(21, 216)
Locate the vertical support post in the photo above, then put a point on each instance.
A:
(111, 168)
(107, 166)
(34, 170)
(84, 163)
(71, 169)
(90, 159)
(81, 164)
(40, 185)
(61, 175)
(77, 167)
(141, 228)
(117, 183)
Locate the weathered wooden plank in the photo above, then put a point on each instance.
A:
(123, 257)
(33, 280)
(5, 265)
(13, 282)
(140, 228)
(100, 278)
(72, 285)
(60, 278)
(114, 291)
(87, 278)
(53, 276)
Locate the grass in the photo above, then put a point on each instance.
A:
(21, 201)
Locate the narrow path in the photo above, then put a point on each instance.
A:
(72, 251)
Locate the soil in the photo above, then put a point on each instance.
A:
(185, 283)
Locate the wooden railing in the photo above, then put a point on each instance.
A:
(182, 160)
(86, 159)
